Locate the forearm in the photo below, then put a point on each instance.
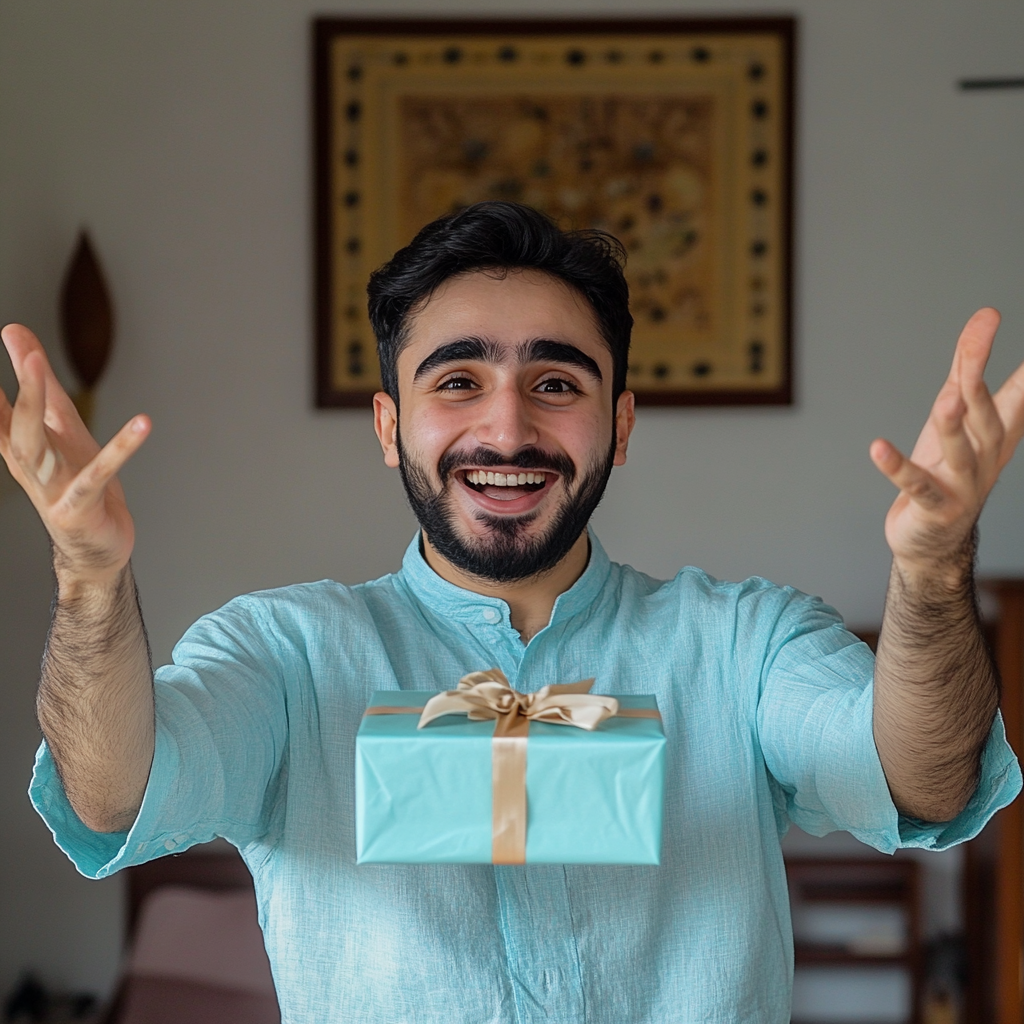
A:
(936, 689)
(95, 701)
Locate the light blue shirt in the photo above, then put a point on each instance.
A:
(766, 701)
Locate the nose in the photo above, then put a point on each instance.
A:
(506, 422)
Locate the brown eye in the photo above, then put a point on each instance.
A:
(557, 386)
(456, 384)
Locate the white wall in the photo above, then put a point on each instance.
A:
(179, 132)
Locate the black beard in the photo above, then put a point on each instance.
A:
(507, 555)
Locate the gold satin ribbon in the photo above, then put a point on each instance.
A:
(488, 695)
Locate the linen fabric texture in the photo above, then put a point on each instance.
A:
(766, 704)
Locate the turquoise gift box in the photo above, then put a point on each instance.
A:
(425, 795)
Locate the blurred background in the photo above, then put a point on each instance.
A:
(180, 135)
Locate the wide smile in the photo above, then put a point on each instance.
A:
(506, 490)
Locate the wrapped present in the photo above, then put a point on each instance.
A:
(485, 774)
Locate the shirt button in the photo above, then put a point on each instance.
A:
(491, 615)
(169, 844)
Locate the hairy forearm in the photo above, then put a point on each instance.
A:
(936, 689)
(95, 703)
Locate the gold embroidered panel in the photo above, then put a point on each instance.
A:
(676, 137)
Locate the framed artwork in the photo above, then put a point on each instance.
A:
(676, 136)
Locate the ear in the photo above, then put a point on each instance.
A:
(385, 422)
(625, 420)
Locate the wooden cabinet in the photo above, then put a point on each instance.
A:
(858, 913)
(994, 872)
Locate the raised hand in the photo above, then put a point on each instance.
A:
(969, 437)
(95, 703)
(71, 481)
(935, 689)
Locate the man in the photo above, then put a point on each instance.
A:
(503, 344)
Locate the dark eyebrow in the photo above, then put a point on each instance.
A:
(544, 350)
(464, 349)
(540, 350)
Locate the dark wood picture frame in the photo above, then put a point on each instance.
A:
(745, 310)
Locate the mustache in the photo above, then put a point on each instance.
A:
(525, 458)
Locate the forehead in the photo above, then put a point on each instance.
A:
(507, 308)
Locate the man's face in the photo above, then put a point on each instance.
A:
(506, 438)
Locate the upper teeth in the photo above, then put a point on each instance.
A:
(478, 476)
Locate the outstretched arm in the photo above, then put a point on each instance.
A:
(95, 700)
(936, 690)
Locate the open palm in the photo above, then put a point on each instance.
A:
(970, 435)
(69, 478)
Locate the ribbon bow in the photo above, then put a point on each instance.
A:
(484, 695)
(487, 695)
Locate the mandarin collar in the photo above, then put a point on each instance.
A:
(450, 601)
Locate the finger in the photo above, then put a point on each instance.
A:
(918, 484)
(21, 343)
(948, 416)
(983, 422)
(28, 437)
(90, 482)
(974, 346)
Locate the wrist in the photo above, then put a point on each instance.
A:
(932, 578)
(77, 583)
(933, 585)
(945, 571)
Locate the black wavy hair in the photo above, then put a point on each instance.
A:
(500, 236)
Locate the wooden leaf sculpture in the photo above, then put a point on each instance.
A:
(87, 321)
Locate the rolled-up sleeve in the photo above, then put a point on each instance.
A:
(221, 731)
(814, 722)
